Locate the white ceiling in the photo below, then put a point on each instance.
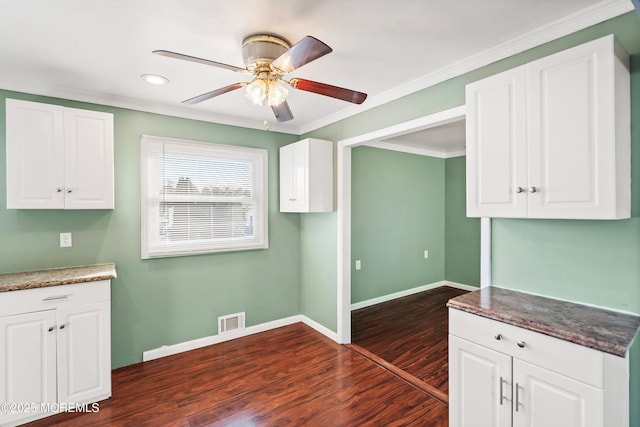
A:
(96, 50)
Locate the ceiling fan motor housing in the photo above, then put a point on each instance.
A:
(260, 50)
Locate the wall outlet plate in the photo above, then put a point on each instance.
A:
(65, 240)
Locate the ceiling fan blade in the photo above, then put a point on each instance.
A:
(301, 53)
(282, 112)
(328, 90)
(214, 93)
(198, 60)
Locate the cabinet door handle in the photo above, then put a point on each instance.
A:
(502, 398)
(55, 298)
(519, 189)
(517, 400)
(534, 190)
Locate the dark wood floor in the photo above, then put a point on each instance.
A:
(291, 376)
(410, 333)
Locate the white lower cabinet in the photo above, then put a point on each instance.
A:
(54, 348)
(501, 375)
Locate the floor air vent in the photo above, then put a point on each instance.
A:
(230, 322)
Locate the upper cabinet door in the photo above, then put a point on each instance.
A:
(551, 139)
(88, 159)
(306, 176)
(58, 158)
(573, 140)
(35, 156)
(496, 145)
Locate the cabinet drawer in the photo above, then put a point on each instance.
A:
(581, 363)
(52, 297)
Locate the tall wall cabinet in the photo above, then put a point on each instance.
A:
(55, 348)
(306, 176)
(551, 139)
(58, 157)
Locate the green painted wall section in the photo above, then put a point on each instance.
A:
(462, 234)
(319, 271)
(397, 210)
(161, 301)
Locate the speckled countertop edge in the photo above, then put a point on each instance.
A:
(605, 330)
(56, 277)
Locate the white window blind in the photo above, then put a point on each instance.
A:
(199, 197)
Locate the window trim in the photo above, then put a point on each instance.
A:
(258, 155)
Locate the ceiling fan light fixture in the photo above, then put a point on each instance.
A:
(256, 91)
(276, 93)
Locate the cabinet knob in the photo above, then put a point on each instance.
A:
(58, 190)
(519, 189)
(69, 190)
(534, 190)
(51, 328)
(498, 336)
(522, 344)
(64, 325)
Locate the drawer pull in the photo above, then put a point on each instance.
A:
(522, 344)
(498, 336)
(55, 298)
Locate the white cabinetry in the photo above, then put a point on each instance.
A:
(306, 176)
(58, 158)
(501, 375)
(551, 139)
(55, 347)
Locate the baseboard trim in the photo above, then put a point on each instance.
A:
(169, 350)
(407, 292)
(462, 286)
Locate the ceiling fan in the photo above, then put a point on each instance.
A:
(268, 58)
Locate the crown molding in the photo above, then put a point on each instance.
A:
(599, 12)
(416, 150)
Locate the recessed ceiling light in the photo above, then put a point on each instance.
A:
(154, 79)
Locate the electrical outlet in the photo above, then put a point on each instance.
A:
(65, 240)
(426, 254)
(358, 264)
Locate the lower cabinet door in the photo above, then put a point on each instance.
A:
(27, 364)
(545, 398)
(479, 386)
(84, 359)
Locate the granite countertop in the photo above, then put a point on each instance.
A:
(604, 330)
(56, 277)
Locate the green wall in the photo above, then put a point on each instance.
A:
(169, 300)
(462, 234)
(397, 211)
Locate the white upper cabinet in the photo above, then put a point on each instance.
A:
(551, 139)
(58, 158)
(306, 176)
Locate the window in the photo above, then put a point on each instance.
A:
(199, 197)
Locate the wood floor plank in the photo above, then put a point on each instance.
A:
(291, 376)
(410, 333)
